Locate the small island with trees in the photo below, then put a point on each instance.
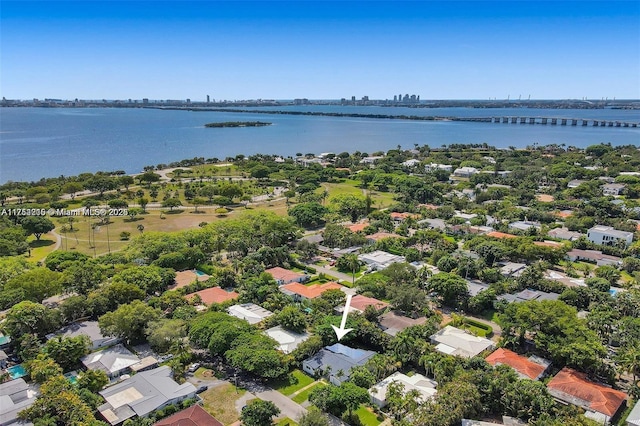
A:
(238, 124)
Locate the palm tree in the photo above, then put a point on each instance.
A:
(353, 263)
(629, 361)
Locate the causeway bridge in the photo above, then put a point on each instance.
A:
(555, 121)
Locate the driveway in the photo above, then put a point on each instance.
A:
(288, 408)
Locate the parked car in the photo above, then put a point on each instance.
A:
(202, 389)
(194, 367)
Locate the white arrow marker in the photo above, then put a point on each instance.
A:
(341, 332)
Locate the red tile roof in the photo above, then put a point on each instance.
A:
(192, 416)
(402, 216)
(357, 227)
(284, 275)
(594, 396)
(214, 295)
(519, 363)
(498, 234)
(184, 278)
(311, 291)
(361, 302)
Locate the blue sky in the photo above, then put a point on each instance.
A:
(319, 50)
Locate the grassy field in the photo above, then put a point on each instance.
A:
(294, 382)
(220, 402)
(304, 395)
(287, 422)
(351, 187)
(40, 249)
(368, 417)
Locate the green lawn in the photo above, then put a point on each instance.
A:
(295, 381)
(368, 417)
(304, 395)
(287, 422)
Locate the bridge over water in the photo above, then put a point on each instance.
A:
(553, 121)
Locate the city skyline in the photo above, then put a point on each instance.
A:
(320, 50)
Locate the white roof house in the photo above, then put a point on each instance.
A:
(91, 329)
(411, 163)
(453, 341)
(465, 171)
(288, 340)
(634, 416)
(142, 394)
(524, 225)
(425, 387)
(250, 312)
(15, 396)
(609, 236)
(380, 259)
(113, 361)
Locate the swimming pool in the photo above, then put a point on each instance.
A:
(16, 371)
(72, 377)
(200, 273)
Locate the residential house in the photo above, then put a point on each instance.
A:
(608, 236)
(286, 276)
(465, 172)
(249, 312)
(527, 368)
(563, 278)
(392, 323)
(146, 363)
(614, 189)
(400, 217)
(526, 295)
(433, 224)
(287, 339)
(596, 256)
(475, 287)
(601, 402)
(435, 166)
(500, 235)
(336, 361)
(91, 329)
(411, 163)
(564, 234)
(357, 227)
(633, 419)
(575, 183)
(142, 394)
(301, 292)
(373, 238)
(380, 260)
(453, 341)
(512, 269)
(184, 278)
(524, 225)
(213, 295)
(114, 361)
(15, 396)
(192, 416)
(426, 388)
(359, 303)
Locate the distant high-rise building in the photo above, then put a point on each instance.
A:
(395, 98)
(353, 99)
(208, 100)
(418, 98)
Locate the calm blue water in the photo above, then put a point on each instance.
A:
(41, 142)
